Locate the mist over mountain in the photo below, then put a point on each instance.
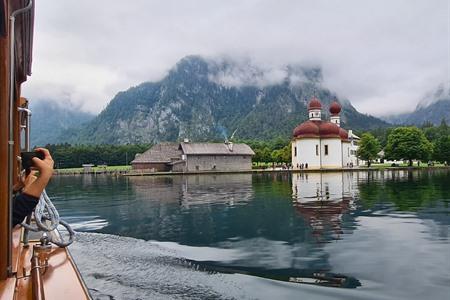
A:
(49, 120)
(433, 108)
(206, 100)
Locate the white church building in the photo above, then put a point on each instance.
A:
(321, 144)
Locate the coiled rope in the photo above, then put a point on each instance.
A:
(47, 219)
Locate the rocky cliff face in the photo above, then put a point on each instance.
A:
(208, 100)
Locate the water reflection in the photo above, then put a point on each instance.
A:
(405, 191)
(205, 210)
(365, 225)
(196, 189)
(322, 199)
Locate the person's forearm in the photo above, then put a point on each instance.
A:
(23, 205)
(36, 188)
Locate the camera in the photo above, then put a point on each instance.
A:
(27, 159)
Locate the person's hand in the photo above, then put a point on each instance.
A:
(28, 180)
(45, 166)
(35, 186)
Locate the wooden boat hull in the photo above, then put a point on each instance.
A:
(60, 280)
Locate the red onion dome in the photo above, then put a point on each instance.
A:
(307, 129)
(335, 108)
(314, 103)
(343, 134)
(328, 130)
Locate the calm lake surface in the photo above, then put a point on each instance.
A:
(367, 235)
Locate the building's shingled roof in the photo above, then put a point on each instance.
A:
(171, 152)
(162, 153)
(215, 149)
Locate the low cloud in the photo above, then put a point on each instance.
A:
(234, 72)
(383, 56)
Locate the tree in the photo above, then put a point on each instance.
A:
(408, 143)
(71, 156)
(368, 148)
(287, 154)
(258, 157)
(277, 156)
(442, 149)
(266, 155)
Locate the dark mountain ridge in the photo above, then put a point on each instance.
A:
(434, 108)
(49, 120)
(196, 101)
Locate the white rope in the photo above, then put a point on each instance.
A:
(47, 219)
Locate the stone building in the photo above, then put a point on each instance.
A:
(160, 158)
(195, 157)
(321, 144)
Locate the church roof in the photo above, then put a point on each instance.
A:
(335, 108)
(314, 103)
(317, 129)
(343, 134)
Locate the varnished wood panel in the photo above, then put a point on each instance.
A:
(4, 203)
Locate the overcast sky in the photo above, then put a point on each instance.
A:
(384, 56)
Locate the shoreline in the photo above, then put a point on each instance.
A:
(253, 171)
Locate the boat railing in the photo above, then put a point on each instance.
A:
(25, 125)
(39, 265)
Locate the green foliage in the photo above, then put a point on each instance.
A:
(381, 134)
(369, 147)
(274, 151)
(408, 143)
(427, 188)
(68, 156)
(282, 155)
(442, 149)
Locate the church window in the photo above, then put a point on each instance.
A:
(317, 150)
(295, 151)
(326, 149)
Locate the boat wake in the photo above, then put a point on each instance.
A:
(116, 267)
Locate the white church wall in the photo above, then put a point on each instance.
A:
(334, 157)
(306, 153)
(294, 155)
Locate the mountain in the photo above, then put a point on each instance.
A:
(49, 120)
(204, 100)
(433, 108)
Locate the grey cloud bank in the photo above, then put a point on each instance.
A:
(383, 56)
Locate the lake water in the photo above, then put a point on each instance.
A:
(360, 235)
